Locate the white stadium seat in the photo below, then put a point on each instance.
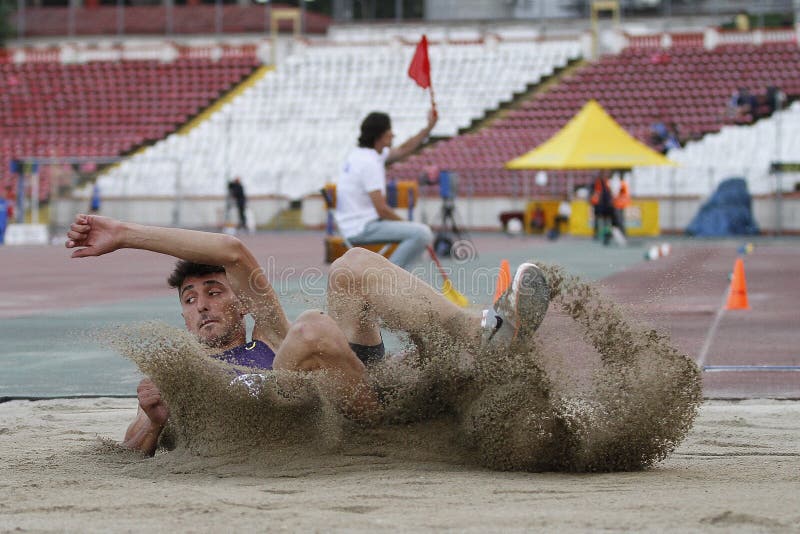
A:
(288, 134)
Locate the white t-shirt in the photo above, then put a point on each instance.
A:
(364, 171)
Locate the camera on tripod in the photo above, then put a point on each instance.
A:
(449, 232)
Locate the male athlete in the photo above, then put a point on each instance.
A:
(219, 282)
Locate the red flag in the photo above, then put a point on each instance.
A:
(420, 68)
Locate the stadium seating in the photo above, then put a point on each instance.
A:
(102, 108)
(688, 84)
(288, 133)
(735, 151)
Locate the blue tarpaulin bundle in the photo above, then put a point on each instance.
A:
(728, 212)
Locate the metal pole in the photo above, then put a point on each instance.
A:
(176, 210)
(20, 18)
(228, 121)
(302, 16)
(120, 17)
(673, 215)
(218, 17)
(21, 194)
(398, 10)
(470, 198)
(168, 5)
(71, 18)
(797, 12)
(778, 175)
(34, 194)
(778, 202)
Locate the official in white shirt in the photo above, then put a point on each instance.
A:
(362, 213)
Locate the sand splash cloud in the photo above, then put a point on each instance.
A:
(594, 392)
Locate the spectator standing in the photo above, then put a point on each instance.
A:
(622, 199)
(664, 137)
(742, 106)
(562, 217)
(774, 99)
(602, 200)
(94, 202)
(3, 217)
(537, 219)
(362, 213)
(237, 194)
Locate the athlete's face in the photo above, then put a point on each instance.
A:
(212, 311)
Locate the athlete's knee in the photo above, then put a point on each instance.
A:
(315, 331)
(352, 265)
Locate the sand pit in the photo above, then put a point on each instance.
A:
(737, 470)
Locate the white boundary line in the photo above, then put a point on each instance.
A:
(742, 368)
(701, 358)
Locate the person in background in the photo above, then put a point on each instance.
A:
(742, 106)
(236, 192)
(602, 200)
(4, 212)
(537, 219)
(362, 213)
(562, 217)
(622, 199)
(664, 137)
(773, 100)
(94, 202)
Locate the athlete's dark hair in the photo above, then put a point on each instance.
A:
(374, 125)
(185, 268)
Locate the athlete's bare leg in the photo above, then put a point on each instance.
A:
(315, 343)
(365, 288)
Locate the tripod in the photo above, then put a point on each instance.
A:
(452, 239)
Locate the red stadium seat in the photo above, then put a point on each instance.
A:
(693, 89)
(104, 108)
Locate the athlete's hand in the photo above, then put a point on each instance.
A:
(95, 235)
(151, 402)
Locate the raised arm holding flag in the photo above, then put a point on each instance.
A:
(420, 68)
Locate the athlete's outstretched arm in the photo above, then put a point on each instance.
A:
(93, 235)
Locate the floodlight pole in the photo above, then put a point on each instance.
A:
(34, 194)
(778, 175)
(275, 17)
(177, 208)
(21, 18)
(599, 6)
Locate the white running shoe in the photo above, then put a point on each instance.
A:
(519, 311)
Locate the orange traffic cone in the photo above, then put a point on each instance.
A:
(737, 299)
(503, 280)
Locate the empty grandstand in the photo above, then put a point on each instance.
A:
(288, 133)
(686, 84)
(63, 104)
(734, 151)
(501, 86)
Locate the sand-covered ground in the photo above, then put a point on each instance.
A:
(738, 470)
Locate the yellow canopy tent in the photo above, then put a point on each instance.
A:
(591, 140)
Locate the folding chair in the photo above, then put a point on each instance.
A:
(335, 243)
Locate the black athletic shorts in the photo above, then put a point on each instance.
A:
(369, 354)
